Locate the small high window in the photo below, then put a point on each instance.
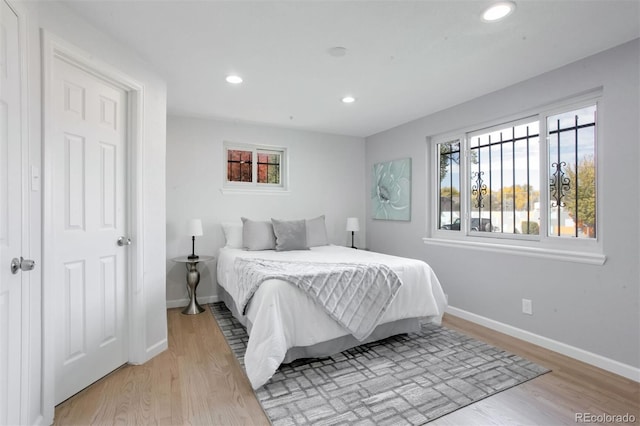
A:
(254, 167)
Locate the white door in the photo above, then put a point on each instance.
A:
(10, 217)
(89, 216)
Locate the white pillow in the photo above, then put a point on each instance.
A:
(232, 234)
(316, 232)
(257, 235)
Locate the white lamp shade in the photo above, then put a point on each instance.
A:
(194, 227)
(353, 224)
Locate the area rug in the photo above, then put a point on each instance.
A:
(409, 379)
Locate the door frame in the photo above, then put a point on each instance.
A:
(54, 48)
(30, 231)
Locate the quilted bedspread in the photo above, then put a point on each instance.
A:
(356, 295)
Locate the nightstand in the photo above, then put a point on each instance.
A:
(193, 279)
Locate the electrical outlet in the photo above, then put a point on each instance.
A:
(527, 306)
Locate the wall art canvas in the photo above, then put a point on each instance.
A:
(391, 190)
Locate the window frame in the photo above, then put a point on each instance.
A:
(255, 186)
(582, 250)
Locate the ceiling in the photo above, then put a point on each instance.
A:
(404, 60)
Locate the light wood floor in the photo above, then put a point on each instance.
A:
(198, 381)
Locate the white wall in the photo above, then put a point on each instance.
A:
(326, 176)
(591, 308)
(62, 23)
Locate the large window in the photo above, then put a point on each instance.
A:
(527, 179)
(254, 167)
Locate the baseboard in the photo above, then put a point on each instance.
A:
(181, 303)
(596, 360)
(40, 420)
(158, 348)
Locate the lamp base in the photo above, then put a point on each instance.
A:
(193, 255)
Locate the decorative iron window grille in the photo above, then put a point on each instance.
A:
(504, 173)
(491, 180)
(572, 174)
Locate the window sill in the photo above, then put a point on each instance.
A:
(543, 253)
(254, 191)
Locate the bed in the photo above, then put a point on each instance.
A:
(285, 324)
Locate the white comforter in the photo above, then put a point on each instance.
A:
(283, 317)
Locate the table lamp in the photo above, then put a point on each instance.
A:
(353, 225)
(194, 228)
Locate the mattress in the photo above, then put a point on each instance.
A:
(281, 317)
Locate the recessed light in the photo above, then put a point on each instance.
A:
(498, 11)
(337, 51)
(234, 79)
(348, 99)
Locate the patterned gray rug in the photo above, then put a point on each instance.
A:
(408, 379)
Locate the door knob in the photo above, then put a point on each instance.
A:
(22, 264)
(124, 241)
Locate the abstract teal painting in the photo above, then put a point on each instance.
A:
(391, 190)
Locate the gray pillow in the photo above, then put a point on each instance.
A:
(316, 232)
(290, 235)
(257, 235)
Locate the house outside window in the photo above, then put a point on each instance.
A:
(529, 180)
(255, 167)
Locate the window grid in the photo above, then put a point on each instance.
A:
(268, 168)
(239, 166)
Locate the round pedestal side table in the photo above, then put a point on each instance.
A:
(193, 278)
